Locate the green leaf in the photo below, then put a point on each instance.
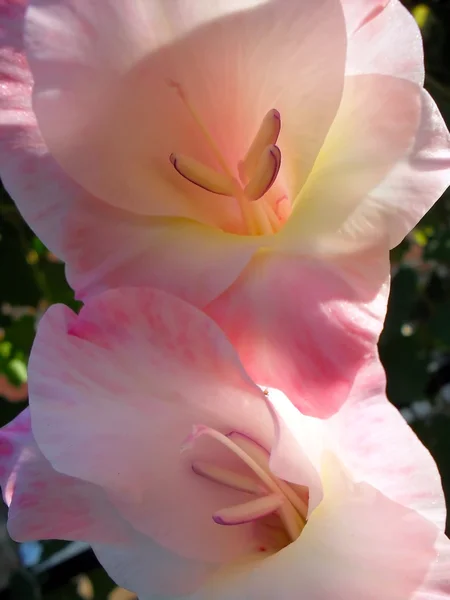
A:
(16, 371)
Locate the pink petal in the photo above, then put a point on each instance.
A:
(437, 583)
(359, 12)
(376, 124)
(123, 384)
(150, 570)
(415, 183)
(109, 116)
(357, 543)
(375, 443)
(29, 174)
(305, 325)
(103, 247)
(44, 194)
(44, 504)
(107, 248)
(389, 43)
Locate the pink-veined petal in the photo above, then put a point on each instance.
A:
(44, 504)
(377, 446)
(305, 325)
(389, 43)
(115, 391)
(32, 177)
(109, 115)
(357, 542)
(359, 12)
(375, 125)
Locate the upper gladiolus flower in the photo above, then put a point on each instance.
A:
(151, 442)
(233, 153)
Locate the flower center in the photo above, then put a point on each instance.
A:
(258, 172)
(270, 495)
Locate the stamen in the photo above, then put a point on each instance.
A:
(267, 135)
(257, 171)
(265, 173)
(288, 514)
(249, 511)
(227, 477)
(237, 189)
(203, 176)
(208, 137)
(261, 456)
(250, 447)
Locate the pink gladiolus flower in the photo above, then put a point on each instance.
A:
(149, 441)
(255, 157)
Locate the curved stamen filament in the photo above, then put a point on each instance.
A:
(249, 511)
(288, 514)
(261, 456)
(227, 477)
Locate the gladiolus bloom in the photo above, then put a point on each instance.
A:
(254, 157)
(149, 440)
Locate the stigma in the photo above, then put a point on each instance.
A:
(251, 178)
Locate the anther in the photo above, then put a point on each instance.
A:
(265, 173)
(203, 176)
(267, 135)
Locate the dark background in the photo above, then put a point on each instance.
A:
(414, 347)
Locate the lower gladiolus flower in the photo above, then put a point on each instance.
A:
(256, 157)
(148, 440)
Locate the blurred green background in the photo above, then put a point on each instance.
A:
(414, 347)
